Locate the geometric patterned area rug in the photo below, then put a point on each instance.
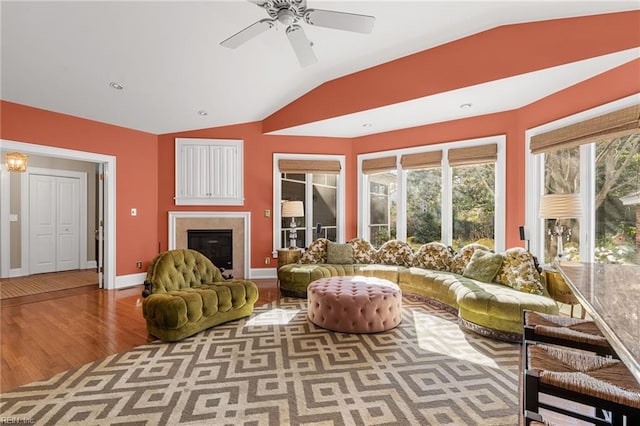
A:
(277, 368)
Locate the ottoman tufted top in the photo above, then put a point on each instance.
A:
(354, 304)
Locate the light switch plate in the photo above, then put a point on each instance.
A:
(134, 212)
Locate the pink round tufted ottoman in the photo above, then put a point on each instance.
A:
(354, 304)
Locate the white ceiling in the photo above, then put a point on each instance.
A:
(61, 56)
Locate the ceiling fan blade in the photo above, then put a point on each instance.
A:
(248, 33)
(301, 45)
(340, 20)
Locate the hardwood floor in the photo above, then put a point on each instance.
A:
(40, 338)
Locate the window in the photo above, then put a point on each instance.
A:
(473, 201)
(382, 207)
(598, 158)
(448, 192)
(382, 199)
(423, 171)
(317, 181)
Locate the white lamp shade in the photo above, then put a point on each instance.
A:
(292, 209)
(560, 206)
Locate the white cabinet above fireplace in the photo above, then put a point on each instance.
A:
(209, 172)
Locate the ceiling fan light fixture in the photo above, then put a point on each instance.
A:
(286, 17)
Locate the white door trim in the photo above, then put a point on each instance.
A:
(24, 202)
(109, 162)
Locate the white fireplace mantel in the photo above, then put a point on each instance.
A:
(246, 220)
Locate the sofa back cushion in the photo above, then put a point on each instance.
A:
(434, 256)
(519, 271)
(395, 252)
(181, 268)
(339, 254)
(316, 252)
(461, 260)
(483, 266)
(363, 251)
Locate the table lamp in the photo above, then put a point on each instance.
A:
(560, 206)
(292, 209)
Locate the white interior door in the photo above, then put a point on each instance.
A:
(67, 224)
(42, 224)
(54, 223)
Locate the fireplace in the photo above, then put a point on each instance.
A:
(215, 244)
(238, 222)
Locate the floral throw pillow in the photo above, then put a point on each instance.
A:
(363, 251)
(316, 252)
(395, 252)
(519, 271)
(434, 256)
(461, 260)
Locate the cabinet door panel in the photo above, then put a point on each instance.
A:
(209, 172)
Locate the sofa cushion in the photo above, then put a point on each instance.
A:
(363, 251)
(460, 260)
(519, 271)
(483, 266)
(434, 256)
(395, 252)
(339, 254)
(316, 252)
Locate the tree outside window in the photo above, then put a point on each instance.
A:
(473, 201)
(424, 206)
(616, 165)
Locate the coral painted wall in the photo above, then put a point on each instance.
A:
(136, 169)
(145, 162)
(618, 83)
(258, 178)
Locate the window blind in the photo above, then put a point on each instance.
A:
(473, 155)
(619, 123)
(378, 165)
(421, 160)
(309, 166)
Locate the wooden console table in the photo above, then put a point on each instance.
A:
(611, 295)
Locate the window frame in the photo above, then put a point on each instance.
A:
(446, 205)
(534, 180)
(277, 196)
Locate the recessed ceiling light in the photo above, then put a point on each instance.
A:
(366, 125)
(116, 86)
(203, 113)
(465, 106)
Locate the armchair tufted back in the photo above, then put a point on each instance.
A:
(181, 268)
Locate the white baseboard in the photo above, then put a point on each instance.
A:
(260, 273)
(92, 264)
(124, 281)
(17, 272)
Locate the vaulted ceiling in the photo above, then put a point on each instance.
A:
(175, 75)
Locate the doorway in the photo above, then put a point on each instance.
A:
(106, 165)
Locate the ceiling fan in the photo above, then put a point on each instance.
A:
(293, 12)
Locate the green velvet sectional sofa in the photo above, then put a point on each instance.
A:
(185, 294)
(488, 291)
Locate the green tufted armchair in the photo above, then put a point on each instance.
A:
(185, 293)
